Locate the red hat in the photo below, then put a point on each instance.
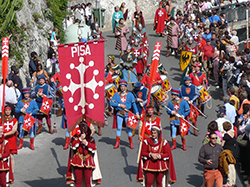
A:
(148, 66)
(123, 82)
(197, 64)
(7, 108)
(149, 107)
(160, 3)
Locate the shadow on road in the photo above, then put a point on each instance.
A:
(111, 141)
(154, 35)
(59, 141)
(110, 36)
(198, 166)
(128, 169)
(61, 169)
(195, 180)
(46, 182)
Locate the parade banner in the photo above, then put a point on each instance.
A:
(82, 74)
(184, 126)
(185, 59)
(28, 122)
(194, 113)
(132, 120)
(204, 95)
(46, 105)
(5, 59)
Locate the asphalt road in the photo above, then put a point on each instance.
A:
(46, 166)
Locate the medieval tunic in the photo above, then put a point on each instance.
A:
(121, 42)
(128, 61)
(137, 50)
(160, 18)
(172, 32)
(138, 19)
(6, 175)
(9, 125)
(115, 20)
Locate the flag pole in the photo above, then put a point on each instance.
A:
(153, 70)
(5, 58)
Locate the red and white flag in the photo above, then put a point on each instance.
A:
(28, 122)
(184, 127)
(132, 121)
(46, 105)
(194, 113)
(82, 74)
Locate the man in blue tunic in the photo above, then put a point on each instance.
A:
(43, 90)
(177, 106)
(117, 15)
(26, 105)
(123, 101)
(190, 93)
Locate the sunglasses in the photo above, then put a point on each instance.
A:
(214, 138)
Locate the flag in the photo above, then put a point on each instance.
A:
(184, 126)
(194, 113)
(204, 95)
(82, 74)
(185, 59)
(28, 122)
(132, 120)
(46, 105)
(153, 71)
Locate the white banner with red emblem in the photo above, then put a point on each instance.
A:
(82, 74)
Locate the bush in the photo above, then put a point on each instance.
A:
(59, 13)
(36, 16)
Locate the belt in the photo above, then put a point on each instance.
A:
(212, 169)
(121, 36)
(172, 35)
(123, 112)
(11, 103)
(82, 156)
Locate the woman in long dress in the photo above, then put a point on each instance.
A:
(124, 11)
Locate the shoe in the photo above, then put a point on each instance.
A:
(50, 131)
(168, 53)
(174, 144)
(117, 142)
(59, 112)
(99, 131)
(39, 129)
(32, 144)
(195, 132)
(184, 144)
(20, 143)
(130, 139)
(67, 141)
(172, 53)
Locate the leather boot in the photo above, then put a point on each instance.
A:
(39, 129)
(174, 144)
(50, 130)
(133, 132)
(184, 144)
(195, 132)
(59, 112)
(158, 111)
(130, 139)
(99, 131)
(67, 141)
(20, 143)
(117, 142)
(110, 111)
(168, 53)
(32, 144)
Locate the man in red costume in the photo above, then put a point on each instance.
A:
(81, 157)
(157, 158)
(6, 175)
(151, 120)
(10, 132)
(160, 21)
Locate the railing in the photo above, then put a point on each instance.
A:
(233, 12)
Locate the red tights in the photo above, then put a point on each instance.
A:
(150, 178)
(87, 176)
(2, 178)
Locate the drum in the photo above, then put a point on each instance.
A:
(110, 90)
(204, 95)
(166, 84)
(59, 91)
(159, 95)
(116, 79)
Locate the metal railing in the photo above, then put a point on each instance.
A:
(233, 12)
